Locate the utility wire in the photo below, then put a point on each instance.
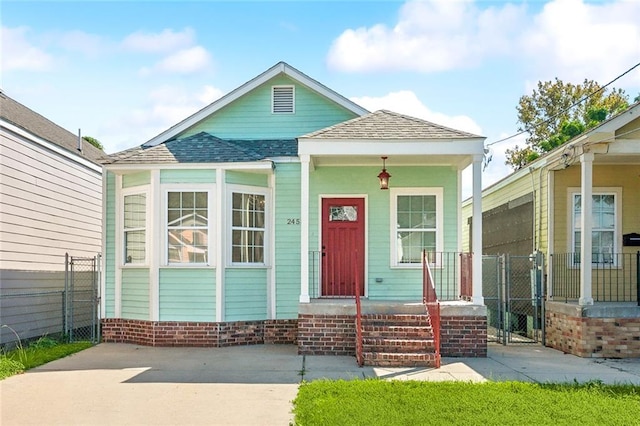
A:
(571, 106)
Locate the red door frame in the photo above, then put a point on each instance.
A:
(343, 246)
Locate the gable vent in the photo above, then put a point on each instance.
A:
(282, 100)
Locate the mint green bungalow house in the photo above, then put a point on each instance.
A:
(256, 220)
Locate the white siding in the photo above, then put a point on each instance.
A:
(49, 205)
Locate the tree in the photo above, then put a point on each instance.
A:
(93, 141)
(555, 111)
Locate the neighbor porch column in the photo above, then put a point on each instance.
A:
(586, 224)
(476, 230)
(304, 229)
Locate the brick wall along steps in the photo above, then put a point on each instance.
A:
(398, 341)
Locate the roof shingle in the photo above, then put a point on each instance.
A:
(205, 148)
(23, 117)
(388, 125)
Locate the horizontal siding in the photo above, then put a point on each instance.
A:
(613, 176)
(397, 284)
(187, 176)
(501, 194)
(31, 303)
(50, 206)
(187, 294)
(136, 179)
(250, 117)
(287, 243)
(245, 294)
(135, 293)
(240, 178)
(109, 260)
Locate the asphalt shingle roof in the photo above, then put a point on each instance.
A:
(388, 125)
(205, 148)
(34, 123)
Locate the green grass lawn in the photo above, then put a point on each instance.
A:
(379, 402)
(37, 353)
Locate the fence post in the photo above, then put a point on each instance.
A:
(65, 314)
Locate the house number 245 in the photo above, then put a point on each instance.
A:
(293, 221)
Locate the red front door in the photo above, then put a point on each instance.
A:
(342, 246)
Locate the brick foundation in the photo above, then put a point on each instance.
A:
(463, 336)
(463, 329)
(463, 332)
(581, 331)
(320, 334)
(203, 334)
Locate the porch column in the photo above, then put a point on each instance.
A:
(586, 224)
(476, 230)
(221, 243)
(304, 229)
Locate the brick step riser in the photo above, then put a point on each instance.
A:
(400, 360)
(388, 334)
(379, 324)
(417, 349)
(395, 320)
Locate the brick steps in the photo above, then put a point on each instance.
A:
(398, 341)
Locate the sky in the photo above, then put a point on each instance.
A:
(124, 71)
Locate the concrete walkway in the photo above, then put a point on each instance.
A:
(118, 384)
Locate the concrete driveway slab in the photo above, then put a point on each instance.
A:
(120, 384)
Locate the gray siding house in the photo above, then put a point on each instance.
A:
(50, 204)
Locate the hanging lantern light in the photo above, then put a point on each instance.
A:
(384, 176)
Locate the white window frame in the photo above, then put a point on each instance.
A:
(211, 220)
(252, 190)
(617, 193)
(293, 99)
(125, 192)
(438, 192)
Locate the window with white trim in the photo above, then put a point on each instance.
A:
(417, 216)
(248, 227)
(187, 227)
(283, 99)
(134, 226)
(604, 229)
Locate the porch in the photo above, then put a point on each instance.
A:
(607, 328)
(411, 332)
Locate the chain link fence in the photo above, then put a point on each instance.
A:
(512, 288)
(69, 312)
(81, 320)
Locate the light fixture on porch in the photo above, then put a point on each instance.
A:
(384, 176)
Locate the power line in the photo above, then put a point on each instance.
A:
(571, 106)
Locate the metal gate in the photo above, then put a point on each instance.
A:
(512, 288)
(82, 298)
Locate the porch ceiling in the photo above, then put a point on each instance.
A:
(458, 161)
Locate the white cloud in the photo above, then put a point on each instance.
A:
(18, 54)
(187, 61)
(166, 106)
(569, 39)
(166, 41)
(406, 102)
(435, 35)
(575, 40)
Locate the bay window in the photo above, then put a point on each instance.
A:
(187, 227)
(248, 228)
(134, 224)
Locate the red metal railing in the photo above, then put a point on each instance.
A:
(466, 274)
(431, 303)
(358, 289)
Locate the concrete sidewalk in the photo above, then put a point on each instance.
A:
(118, 384)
